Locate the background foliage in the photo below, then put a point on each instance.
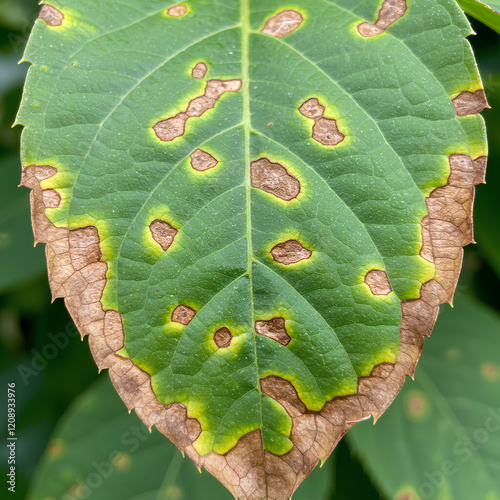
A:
(434, 441)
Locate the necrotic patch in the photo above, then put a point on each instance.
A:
(51, 15)
(274, 179)
(183, 314)
(470, 103)
(283, 24)
(274, 329)
(51, 198)
(378, 282)
(199, 71)
(177, 11)
(324, 130)
(201, 160)
(223, 337)
(163, 233)
(171, 128)
(390, 12)
(290, 252)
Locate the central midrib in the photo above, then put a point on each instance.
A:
(245, 77)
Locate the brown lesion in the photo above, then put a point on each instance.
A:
(290, 252)
(199, 71)
(274, 329)
(283, 24)
(274, 178)
(378, 282)
(470, 103)
(201, 160)
(389, 13)
(183, 314)
(163, 233)
(171, 128)
(325, 130)
(223, 337)
(51, 15)
(177, 10)
(51, 198)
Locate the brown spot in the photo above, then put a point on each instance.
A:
(470, 103)
(283, 24)
(223, 337)
(177, 11)
(163, 233)
(378, 282)
(324, 130)
(51, 15)
(199, 71)
(274, 329)
(171, 128)
(183, 314)
(389, 13)
(490, 371)
(290, 252)
(269, 124)
(417, 405)
(274, 179)
(201, 160)
(51, 198)
(56, 448)
(77, 491)
(407, 494)
(121, 460)
(312, 109)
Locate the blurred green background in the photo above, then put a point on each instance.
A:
(75, 438)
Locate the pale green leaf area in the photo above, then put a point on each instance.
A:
(486, 12)
(21, 261)
(440, 439)
(99, 450)
(102, 80)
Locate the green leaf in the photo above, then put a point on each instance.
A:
(253, 209)
(486, 12)
(441, 437)
(98, 449)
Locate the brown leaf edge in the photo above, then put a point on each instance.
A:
(77, 274)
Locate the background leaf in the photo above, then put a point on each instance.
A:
(486, 12)
(441, 436)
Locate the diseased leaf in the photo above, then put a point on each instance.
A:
(486, 12)
(253, 209)
(441, 437)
